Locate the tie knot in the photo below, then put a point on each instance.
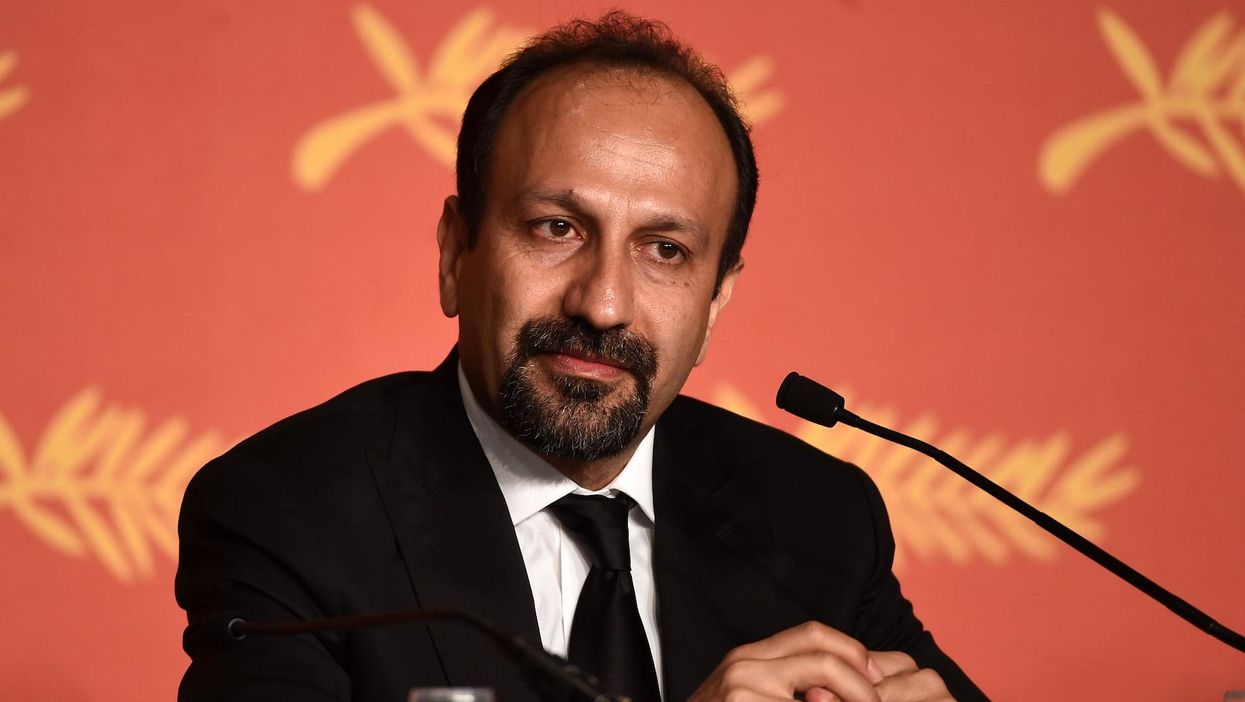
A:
(599, 525)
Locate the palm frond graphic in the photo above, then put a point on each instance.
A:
(1205, 90)
(11, 99)
(427, 104)
(936, 514)
(99, 486)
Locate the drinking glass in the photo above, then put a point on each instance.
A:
(451, 694)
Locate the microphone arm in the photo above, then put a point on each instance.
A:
(810, 400)
(556, 677)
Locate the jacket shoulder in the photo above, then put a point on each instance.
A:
(314, 444)
(734, 437)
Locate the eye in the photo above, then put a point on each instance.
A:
(667, 250)
(556, 228)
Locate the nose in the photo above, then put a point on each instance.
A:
(601, 291)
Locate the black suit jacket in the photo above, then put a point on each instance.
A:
(381, 499)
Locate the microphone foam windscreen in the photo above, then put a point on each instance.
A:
(809, 400)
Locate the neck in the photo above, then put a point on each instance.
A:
(592, 475)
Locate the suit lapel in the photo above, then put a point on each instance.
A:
(712, 551)
(454, 533)
(712, 554)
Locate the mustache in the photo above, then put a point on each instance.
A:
(563, 335)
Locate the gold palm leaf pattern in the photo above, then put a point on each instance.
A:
(427, 104)
(98, 485)
(11, 99)
(937, 514)
(1203, 95)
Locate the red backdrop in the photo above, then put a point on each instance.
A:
(1012, 228)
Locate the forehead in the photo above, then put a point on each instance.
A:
(626, 132)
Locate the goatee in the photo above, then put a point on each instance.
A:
(577, 418)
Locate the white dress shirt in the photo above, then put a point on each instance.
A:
(556, 566)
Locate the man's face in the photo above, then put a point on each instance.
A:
(589, 294)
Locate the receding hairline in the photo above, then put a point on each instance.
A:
(595, 68)
(592, 69)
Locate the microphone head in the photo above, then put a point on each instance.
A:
(809, 400)
(218, 631)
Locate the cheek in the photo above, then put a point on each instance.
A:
(516, 292)
(678, 333)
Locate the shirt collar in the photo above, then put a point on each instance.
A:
(529, 484)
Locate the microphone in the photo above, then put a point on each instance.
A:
(810, 400)
(552, 675)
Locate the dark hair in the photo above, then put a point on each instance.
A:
(616, 40)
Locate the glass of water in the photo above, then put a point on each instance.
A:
(451, 694)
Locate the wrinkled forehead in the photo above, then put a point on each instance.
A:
(601, 90)
(607, 117)
(589, 78)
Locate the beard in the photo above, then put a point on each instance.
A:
(577, 418)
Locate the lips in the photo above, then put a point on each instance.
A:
(593, 358)
(573, 348)
(576, 363)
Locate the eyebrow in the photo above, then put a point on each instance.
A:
(660, 222)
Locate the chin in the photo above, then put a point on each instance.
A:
(570, 416)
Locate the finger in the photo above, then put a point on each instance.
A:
(812, 637)
(820, 694)
(922, 685)
(805, 671)
(893, 662)
(754, 696)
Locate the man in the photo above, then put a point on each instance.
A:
(547, 477)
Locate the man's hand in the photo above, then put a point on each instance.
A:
(903, 681)
(821, 665)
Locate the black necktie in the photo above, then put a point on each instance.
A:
(607, 637)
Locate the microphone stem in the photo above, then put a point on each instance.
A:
(537, 661)
(1180, 607)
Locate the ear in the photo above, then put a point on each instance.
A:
(452, 242)
(719, 301)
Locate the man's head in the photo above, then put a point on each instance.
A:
(616, 40)
(605, 186)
